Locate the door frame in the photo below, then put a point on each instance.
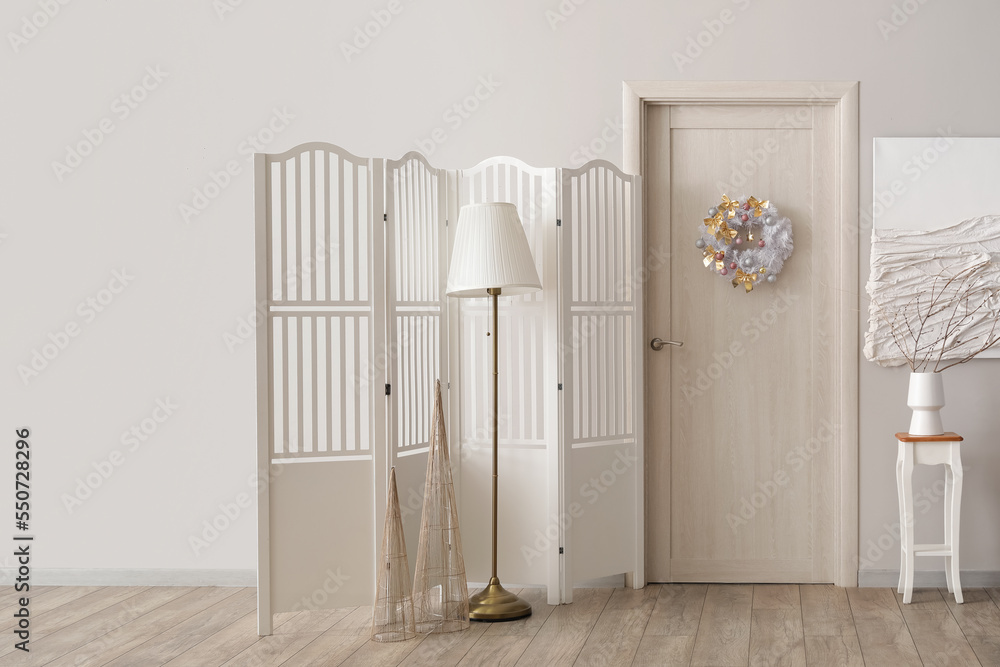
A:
(843, 97)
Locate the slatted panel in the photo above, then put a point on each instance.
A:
(601, 371)
(522, 352)
(416, 274)
(319, 227)
(599, 238)
(322, 359)
(321, 404)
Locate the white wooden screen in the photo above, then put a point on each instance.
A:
(352, 257)
(528, 402)
(321, 416)
(416, 251)
(601, 295)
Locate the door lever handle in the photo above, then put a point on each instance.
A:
(657, 343)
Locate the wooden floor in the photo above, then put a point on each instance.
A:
(681, 624)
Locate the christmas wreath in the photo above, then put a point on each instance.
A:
(746, 239)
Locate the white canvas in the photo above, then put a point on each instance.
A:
(933, 212)
(927, 183)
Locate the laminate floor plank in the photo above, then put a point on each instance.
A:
(937, 635)
(615, 637)
(496, 651)
(220, 647)
(69, 640)
(776, 636)
(882, 632)
(55, 597)
(272, 650)
(677, 612)
(540, 610)
(326, 650)
(978, 616)
(826, 611)
(987, 649)
(561, 638)
(669, 624)
(163, 647)
(445, 649)
(723, 637)
(659, 650)
(9, 596)
(834, 651)
(68, 606)
(503, 644)
(134, 629)
(776, 596)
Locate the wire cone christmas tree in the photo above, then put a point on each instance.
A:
(440, 590)
(392, 617)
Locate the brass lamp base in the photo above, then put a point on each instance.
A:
(495, 603)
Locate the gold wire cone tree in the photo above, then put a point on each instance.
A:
(392, 617)
(440, 589)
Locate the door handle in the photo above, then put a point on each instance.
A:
(657, 343)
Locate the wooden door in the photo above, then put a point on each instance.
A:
(740, 420)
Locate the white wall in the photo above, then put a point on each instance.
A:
(556, 88)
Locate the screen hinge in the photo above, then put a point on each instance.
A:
(388, 389)
(558, 222)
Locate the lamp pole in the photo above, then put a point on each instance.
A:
(495, 603)
(494, 293)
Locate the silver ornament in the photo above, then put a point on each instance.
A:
(746, 262)
(712, 212)
(700, 243)
(769, 220)
(772, 278)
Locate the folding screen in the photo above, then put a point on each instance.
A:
(416, 252)
(601, 360)
(321, 425)
(352, 263)
(528, 406)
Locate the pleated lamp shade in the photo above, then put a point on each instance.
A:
(491, 251)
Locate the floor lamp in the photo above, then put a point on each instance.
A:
(491, 256)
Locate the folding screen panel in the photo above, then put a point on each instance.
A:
(416, 252)
(601, 353)
(321, 412)
(352, 262)
(528, 402)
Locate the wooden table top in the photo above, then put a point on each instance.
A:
(948, 436)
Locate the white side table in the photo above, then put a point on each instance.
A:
(944, 450)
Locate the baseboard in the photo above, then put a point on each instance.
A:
(133, 577)
(928, 578)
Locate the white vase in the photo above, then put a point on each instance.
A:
(926, 398)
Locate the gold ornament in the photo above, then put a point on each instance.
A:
(713, 223)
(729, 205)
(710, 257)
(724, 233)
(757, 206)
(747, 279)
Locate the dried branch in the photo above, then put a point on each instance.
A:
(927, 328)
